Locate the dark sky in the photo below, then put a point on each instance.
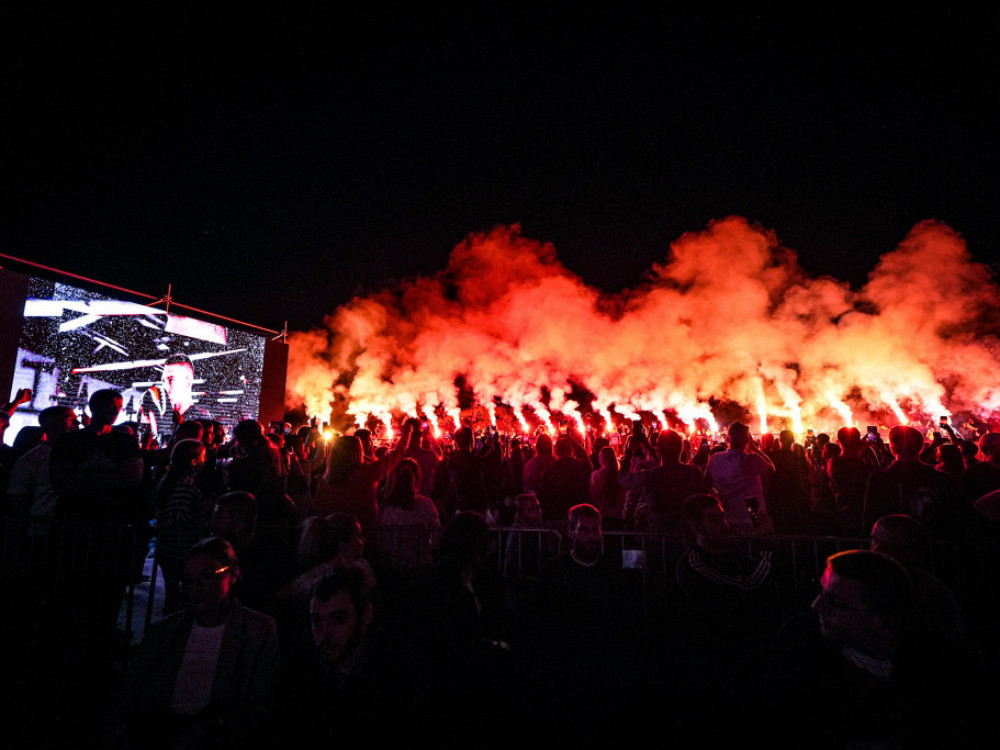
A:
(271, 167)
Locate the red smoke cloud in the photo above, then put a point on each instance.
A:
(729, 316)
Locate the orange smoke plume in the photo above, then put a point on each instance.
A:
(729, 319)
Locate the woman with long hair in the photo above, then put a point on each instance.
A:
(537, 465)
(182, 515)
(256, 469)
(606, 494)
(326, 544)
(403, 507)
(349, 485)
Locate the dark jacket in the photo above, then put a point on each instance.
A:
(245, 675)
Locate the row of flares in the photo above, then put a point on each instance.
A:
(535, 418)
(728, 327)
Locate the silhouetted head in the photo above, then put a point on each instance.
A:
(403, 484)
(905, 442)
(543, 445)
(463, 438)
(365, 436)
(739, 436)
(950, 457)
(187, 457)
(248, 432)
(609, 459)
(345, 457)
(564, 447)
(326, 538)
(585, 533)
(105, 406)
(865, 602)
(235, 517)
(902, 538)
(670, 444)
(850, 440)
(528, 511)
(989, 446)
(192, 429)
(57, 420)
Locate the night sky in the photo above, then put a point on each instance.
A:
(273, 166)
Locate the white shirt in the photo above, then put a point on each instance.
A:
(193, 689)
(737, 477)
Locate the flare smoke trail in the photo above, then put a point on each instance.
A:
(728, 318)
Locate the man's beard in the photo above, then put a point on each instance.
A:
(588, 552)
(331, 656)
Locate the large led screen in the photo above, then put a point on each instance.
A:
(167, 367)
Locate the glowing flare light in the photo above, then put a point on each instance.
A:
(728, 323)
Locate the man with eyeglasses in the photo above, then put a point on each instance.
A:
(857, 670)
(204, 676)
(863, 606)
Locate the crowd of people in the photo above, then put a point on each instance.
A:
(483, 589)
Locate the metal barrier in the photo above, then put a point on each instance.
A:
(60, 577)
(798, 562)
(67, 583)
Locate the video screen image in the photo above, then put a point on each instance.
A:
(168, 368)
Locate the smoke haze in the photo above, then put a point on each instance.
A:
(729, 317)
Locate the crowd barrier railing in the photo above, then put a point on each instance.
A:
(68, 581)
(83, 575)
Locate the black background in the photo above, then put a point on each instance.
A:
(273, 163)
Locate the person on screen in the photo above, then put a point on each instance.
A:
(168, 404)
